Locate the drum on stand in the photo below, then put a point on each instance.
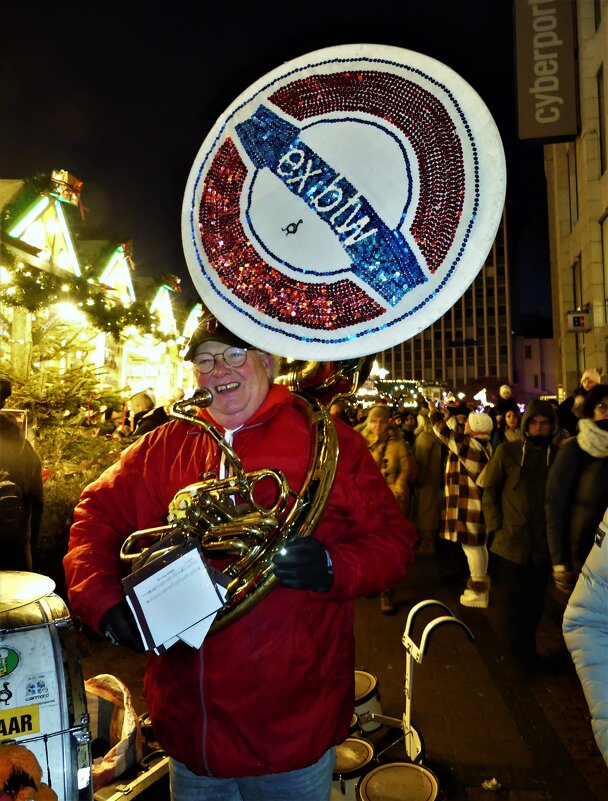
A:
(41, 684)
(353, 760)
(398, 781)
(367, 698)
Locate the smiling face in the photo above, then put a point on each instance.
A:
(238, 392)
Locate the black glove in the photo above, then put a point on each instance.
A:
(563, 578)
(119, 627)
(304, 564)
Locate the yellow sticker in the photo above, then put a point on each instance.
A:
(19, 722)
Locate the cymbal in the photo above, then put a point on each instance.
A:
(19, 588)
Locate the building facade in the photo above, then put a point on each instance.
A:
(577, 186)
(471, 342)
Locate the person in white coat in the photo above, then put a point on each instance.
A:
(585, 629)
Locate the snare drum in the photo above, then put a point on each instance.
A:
(398, 781)
(41, 686)
(353, 758)
(367, 698)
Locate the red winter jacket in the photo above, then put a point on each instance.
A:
(274, 690)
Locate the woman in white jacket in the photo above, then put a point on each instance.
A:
(586, 633)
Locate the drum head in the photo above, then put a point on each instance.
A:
(352, 756)
(365, 683)
(399, 781)
(18, 588)
(343, 202)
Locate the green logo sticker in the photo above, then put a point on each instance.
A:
(9, 660)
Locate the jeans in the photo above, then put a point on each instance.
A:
(312, 783)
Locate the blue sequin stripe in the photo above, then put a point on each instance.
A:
(381, 257)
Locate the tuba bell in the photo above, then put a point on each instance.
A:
(223, 514)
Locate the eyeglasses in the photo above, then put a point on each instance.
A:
(233, 357)
(602, 406)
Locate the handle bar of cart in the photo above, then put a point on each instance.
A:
(413, 741)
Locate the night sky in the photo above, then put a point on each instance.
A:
(123, 99)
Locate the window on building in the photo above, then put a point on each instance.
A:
(572, 184)
(528, 351)
(535, 381)
(601, 110)
(597, 10)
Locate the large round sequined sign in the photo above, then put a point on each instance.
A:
(343, 202)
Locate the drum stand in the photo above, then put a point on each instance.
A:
(414, 747)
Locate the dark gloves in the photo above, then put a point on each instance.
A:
(304, 564)
(563, 578)
(119, 627)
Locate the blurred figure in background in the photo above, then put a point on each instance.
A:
(570, 411)
(426, 501)
(577, 490)
(508, 429)
(20, 492)
(469, 451)
(408, 427)
(397, 464)
(140, 404)
(505, 402)
(514, 489)
(586, 633)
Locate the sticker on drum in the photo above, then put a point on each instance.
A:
(397, 781)
(353, 758)
(367, 698)
(42, 693)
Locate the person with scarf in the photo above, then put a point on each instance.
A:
(508, 429)
(397, 464)
(577, 489)
(469, 451)
(514, 489)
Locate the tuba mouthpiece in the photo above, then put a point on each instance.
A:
(202, 397)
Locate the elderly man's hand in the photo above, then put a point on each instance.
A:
(118, 626)
(304, 564)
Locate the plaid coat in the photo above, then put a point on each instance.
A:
(462, 518)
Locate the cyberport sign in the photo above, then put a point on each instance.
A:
(547, 104)
(343, 202)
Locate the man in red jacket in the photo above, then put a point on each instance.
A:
(256, 712)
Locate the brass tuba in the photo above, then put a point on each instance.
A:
(224, 514)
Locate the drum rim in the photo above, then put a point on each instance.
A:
(410, 765)
(360, 769)
(373, 691)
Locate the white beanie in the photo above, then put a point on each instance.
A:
(593, 374)
(480, 423)
(505, 391)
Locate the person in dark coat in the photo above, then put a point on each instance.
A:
(512, 503)
(20, 464)
(577, 490)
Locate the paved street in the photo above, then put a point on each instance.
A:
(480, 719)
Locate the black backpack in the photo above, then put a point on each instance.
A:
(12, 509)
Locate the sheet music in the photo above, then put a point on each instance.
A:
(173, 598)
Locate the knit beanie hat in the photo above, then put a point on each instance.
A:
(505, 391)
(591, 373)
(480, 423)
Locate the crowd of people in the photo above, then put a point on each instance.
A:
(511, 480)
